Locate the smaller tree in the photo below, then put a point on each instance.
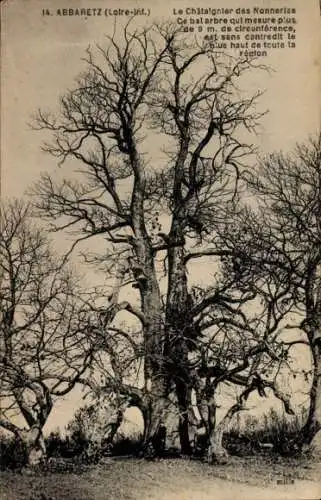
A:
(44, 347)
(276, 241)
(241, 344)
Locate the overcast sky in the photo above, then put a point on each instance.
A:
(42, 55)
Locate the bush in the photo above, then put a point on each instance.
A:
(273, 432)
(76, 443)
(68, 447)
(13, 453)
(127, 445)
(54, 444)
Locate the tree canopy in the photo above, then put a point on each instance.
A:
(155, 139)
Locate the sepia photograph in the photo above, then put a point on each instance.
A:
(160, 250)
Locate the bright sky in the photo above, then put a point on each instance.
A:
(42, 55)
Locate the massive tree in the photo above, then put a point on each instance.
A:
(153, 128)
(44, 347)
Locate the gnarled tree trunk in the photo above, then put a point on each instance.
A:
(146, 281)
(216, 451)
(36, 419)
(313, 423)
(34, 441)
(154, 416)
(178, 325)
(184, 402)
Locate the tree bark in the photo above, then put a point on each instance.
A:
(113, 427)
(154, 415)
(178, 325)
(147, 283)
(36, 420)
(35, 445)
(154, 370)
(312, 327)
(184, 401)
(313, 423)
(216, 451)
(32, 439)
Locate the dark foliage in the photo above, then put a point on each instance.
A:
(127, 445)
(13, 453)
(273, 434)
(67, 447)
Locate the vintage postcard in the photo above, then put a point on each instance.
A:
(160, 250)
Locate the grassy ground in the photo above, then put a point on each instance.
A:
(129, 479)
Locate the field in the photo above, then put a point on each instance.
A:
(263, 478)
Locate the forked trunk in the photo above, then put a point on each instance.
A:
(35, 445)
(154, 415)
(36, 419)
(216, 451)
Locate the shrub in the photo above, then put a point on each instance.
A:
(54, 444)
(13, 453)
(127, 445)
(281, 432)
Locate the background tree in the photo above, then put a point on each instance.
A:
(152, 208)
(279, 237)
(44, 347)
(240, 342)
